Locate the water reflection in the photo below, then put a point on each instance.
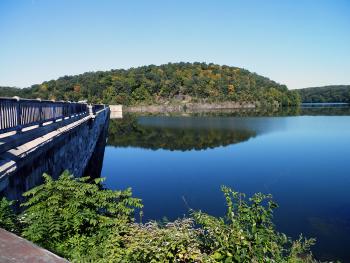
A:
(301, 159)
(340, 110)
(203, 130)
(173, 133)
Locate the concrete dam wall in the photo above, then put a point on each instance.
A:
(74, 144)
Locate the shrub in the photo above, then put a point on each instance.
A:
(78, 219)
(247, 234)
(70, 216)
(174, 242)
(8, 219)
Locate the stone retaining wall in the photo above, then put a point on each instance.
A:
(191, 107)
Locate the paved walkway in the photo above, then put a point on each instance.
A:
(14, 249)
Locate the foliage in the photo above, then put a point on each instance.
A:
(335, 93)
(247, 234)
(86, 223)
(175, 242)
(10, 91)
(70, 216)
(169, 83)
(8, 219)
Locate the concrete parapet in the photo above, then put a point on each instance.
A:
(116, 111)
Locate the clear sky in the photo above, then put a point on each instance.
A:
(299, 43)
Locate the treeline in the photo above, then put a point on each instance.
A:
(10, 91)
(169, 83)
(334, 93)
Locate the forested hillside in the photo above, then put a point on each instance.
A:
(169, 83)
(335, 93)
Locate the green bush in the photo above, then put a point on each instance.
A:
(247, 234)
(174, 242)
(8, 219)
(71, 217)
(78, 219)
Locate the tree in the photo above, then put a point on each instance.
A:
(334, 93)
(152, 84)
(141, 94)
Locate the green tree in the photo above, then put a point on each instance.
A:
(333, 93)
(152, 84)
(141, 94)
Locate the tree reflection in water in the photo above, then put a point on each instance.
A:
(202, 130)
(135, 132)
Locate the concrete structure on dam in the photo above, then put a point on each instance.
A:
(39, 137)
(116, 111)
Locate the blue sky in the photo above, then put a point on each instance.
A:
(299, 43)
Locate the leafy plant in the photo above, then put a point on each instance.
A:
(70, 216)
(8, 219)
(247, 234)
(78, 219)
(174, 242)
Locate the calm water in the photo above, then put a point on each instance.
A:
(303, 160)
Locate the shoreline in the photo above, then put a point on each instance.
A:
(190, 107)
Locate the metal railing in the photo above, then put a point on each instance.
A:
(97, 107)
(16, 113)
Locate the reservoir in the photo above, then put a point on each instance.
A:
(300, 156)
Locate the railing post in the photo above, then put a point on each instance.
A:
(40, 112)
(19, 114)
(70, 110)
(90, 109)
(54, 111)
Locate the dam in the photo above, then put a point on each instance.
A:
(38, 136)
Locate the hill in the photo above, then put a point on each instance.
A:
(168, 83)
(334, 93)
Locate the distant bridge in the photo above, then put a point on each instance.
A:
(38, 136)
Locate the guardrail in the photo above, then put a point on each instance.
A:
(17, 113)
(97, 107)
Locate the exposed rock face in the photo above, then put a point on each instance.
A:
(191, 107)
